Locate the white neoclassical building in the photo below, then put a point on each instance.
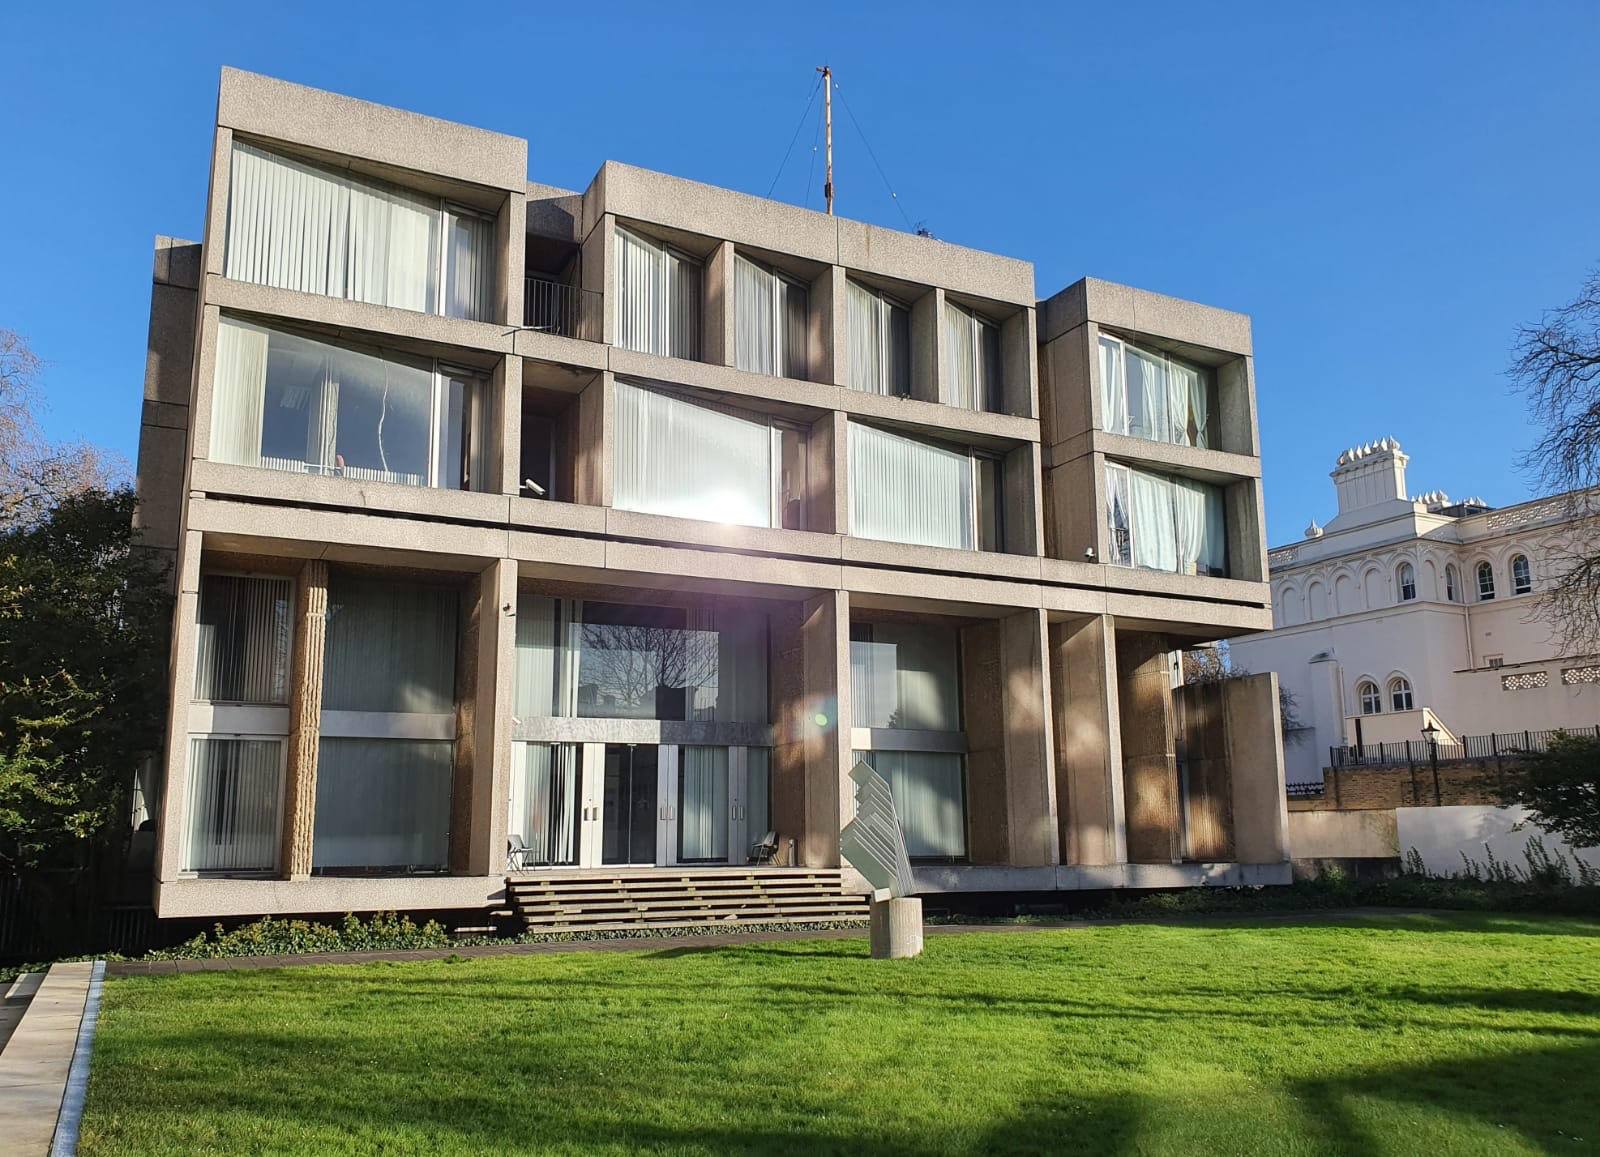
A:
(1401, 611)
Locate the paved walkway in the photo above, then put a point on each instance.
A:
(44, 1067)
(717, 940)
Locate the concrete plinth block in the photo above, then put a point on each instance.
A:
(896, 929)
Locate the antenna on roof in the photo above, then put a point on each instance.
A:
(827, 113)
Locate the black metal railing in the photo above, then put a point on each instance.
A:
(1501, 744)
(551, 307)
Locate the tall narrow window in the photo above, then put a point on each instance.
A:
(658, 297)
(1167, 523)
(242, 641)
(545, 802)
(703, 805)
(905, 490)
(1407, 579)
(691, 460)
(1521, 575)
(769, 320)
(1371, 700)
(880, 341)
(1119, 514)
(1485, 582)
(972, 359)
(1452, 583)
(235, 793)
(297, 225)
(1400, 693)
(1145, 393)
(289, 402)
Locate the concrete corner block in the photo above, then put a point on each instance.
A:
(895, 928)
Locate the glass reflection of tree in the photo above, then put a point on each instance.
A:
(632, 669)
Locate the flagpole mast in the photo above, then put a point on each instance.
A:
(827, 107)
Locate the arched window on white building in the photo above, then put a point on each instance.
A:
(1400, 693)
(1407, 576)
(1521, 575)
(1452, 583)
(1485, 582)
(1367, 693)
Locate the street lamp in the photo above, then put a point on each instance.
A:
(1431, 734)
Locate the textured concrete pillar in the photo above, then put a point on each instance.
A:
(592, 453)
(823, 512)
(1209, 792)
(180, 693)
(828, 329)
(510, 243)
(836, 445)
(1088, 748)
(1149, 761)
(811, 674)
(305, 720)
(1019, 352)
(1255, 762)
(718, 317)
(930, 377)
(1011, 794)
(484, 687)
(501, 430)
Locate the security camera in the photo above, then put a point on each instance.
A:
(1088, 554)
(530, 484)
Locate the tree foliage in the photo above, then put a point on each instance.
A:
(1216, 665)
(1556, 366)
(1560, 787)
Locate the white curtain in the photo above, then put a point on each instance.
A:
(235, 791)
(929, 799)
(391, 647)
(703, 804)
(658, 298)
(903, 490)
(1147, 395)
(242, 639)
(1113, 391)
(675, 457)
(880, 342)
(756, 336)
(793, 301)
(906, 676)
(538, 658)
(544, 801)
(382, 803)
(238, 393)
(394, 247)
(1154, 534)
(468, 266)
(288, 223)
(1119, 511)
(1190, 406)
(972, 358)
(1178, 524)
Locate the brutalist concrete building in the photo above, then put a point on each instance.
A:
(532, 544)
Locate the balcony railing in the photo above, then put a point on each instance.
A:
(551, 307)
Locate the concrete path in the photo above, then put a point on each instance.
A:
(38, 1061)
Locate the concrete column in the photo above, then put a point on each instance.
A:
(1011, 794)
(1019, 373)
(217, 201)
(305, 720)
(180, 693)
(811, 674)
(479, 795)
(510, 242)
(592, 452)
(1209, 804)
(822, 478)
(1149, 761)
(837, 446)
(598, 267)
(1255, 762)
(1088, 745)
(828, 329)
(718, 317)
(1023, 510)
(502, 428)
(930, 377)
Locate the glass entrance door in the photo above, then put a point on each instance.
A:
(628, 804)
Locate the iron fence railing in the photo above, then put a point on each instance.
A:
(1472, 747)
(551, 307)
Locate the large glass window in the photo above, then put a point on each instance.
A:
(1165, 523)
(613, 661)
(1521, 575)
(1148, 394)
(906, 490)
(880, 341)
(297, 225)
(242, 642)
(235, 791)
(703, 804)
(382, 804)
(769, 320)
(658, 297)
(544, 802)
(692, 460)
(905, 676)
(391, 647)
(289, 402)
(972, 359)
(929, 789)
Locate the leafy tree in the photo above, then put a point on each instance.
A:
(1560, 787)
(1215, 665)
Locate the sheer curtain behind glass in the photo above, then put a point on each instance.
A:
(905, 676)
(242, 639)
(538, 658)
(391, 647)
(544, 801)
(929, 799)
(880, 342)
(658, 298)
(235, 789)
(902, 490)
(675, 457)
(382, 803)
(1176, 524)
(769, 321)
(972, 359)
(703, 804)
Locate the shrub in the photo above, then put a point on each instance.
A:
(273, 937)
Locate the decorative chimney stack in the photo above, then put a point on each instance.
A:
(1369, 476)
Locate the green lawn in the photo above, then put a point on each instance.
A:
(1407, 1035)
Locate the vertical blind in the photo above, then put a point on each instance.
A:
(538, 658)
(242, 639)
(302, 226)
(382, 803)
(703, 804)
(905, 676)
(544, 801)
(972, 359)
(769, 321)
(903, 490)
(235, 791)
(658, 298)
(289, 402)
(757, 792)
(675, 457)
(1165, 523)
(929, 799)
(390, 647)
(880, 341)
(1152, 395)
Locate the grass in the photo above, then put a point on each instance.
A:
(1443, 1034)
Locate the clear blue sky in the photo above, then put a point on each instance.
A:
(1389, 189)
